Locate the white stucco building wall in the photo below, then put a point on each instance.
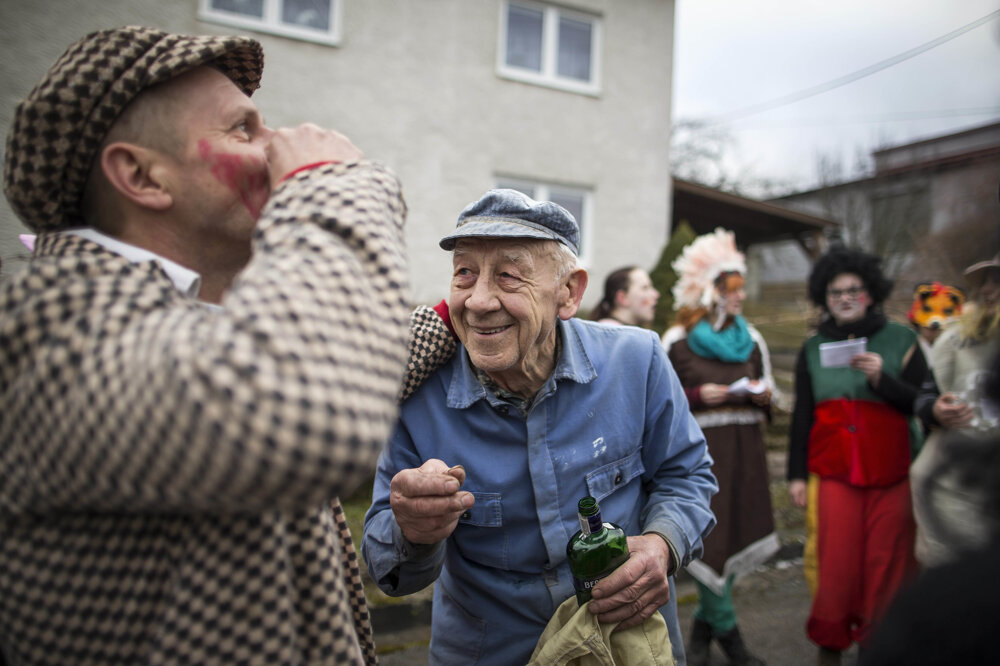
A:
(415, 85)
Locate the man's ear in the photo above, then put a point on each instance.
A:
(137, 174)
(621, 298)
(572, 293)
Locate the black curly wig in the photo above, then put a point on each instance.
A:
(845, 260)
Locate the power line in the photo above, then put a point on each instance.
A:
(900, 116)
(854, 76)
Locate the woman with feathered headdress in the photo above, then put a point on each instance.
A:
(723, 364)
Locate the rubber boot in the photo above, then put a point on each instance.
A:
(732, 644)
(697, 649)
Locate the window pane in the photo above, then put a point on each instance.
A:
(307, 13)
(253, 8)
(524, 38)
(571, 202)
(574, 49)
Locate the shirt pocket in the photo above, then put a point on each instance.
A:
(605, 480)
(480, 535)
(486, 512)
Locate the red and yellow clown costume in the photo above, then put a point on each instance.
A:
(858, 455)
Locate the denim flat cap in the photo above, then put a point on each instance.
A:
(512, 214)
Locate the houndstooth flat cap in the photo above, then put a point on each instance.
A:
(59, 127)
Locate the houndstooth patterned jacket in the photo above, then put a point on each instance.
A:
(166, 470)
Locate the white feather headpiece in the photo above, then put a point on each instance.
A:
(702, 261)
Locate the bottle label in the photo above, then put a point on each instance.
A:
(590, 524)
(583, 586)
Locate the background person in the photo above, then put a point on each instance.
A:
(852, 430)
(536, 410)
(948, 509)
(934, 307)
(629, 298)
(169, 469)
(948, 615)
(711, 347)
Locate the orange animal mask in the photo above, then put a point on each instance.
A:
(935, 305)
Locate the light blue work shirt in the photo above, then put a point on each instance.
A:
(611, 422)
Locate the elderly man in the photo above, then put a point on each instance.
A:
(536, 410)
(169, 467)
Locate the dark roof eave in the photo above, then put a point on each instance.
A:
(762, 207)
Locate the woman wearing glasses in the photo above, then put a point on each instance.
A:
(853, 435)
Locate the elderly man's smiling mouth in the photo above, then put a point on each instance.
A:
(495, 330)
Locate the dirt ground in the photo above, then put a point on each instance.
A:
(772, 605)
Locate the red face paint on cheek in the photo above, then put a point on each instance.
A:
(244, 175)
(863, 300)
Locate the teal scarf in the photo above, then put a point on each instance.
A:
(732, 344)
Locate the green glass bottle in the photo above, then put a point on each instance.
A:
(596, 550)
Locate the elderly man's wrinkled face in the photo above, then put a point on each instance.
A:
(505, 298)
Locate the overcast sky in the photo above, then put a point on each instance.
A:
(734, 54)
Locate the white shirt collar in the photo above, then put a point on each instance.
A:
(187, 281)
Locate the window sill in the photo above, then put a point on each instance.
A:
(565, 85)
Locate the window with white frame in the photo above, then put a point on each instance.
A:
(310, 20)
(549, 45)
(576, 200)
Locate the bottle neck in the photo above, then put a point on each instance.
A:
(591, 524)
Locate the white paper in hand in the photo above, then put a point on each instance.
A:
(839, 354)
(744, 386)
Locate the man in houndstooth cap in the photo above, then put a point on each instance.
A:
(204, 352)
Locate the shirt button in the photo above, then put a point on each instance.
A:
(466, 515)
(851, 429)
(618, 478)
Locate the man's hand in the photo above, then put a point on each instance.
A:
(798, 492)
(426, 501)
(951, 411)
(637, 588)
(869, 363)
(292, 148)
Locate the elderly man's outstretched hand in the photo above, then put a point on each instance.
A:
(293, 148)
(637, 588)
(427, 502)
